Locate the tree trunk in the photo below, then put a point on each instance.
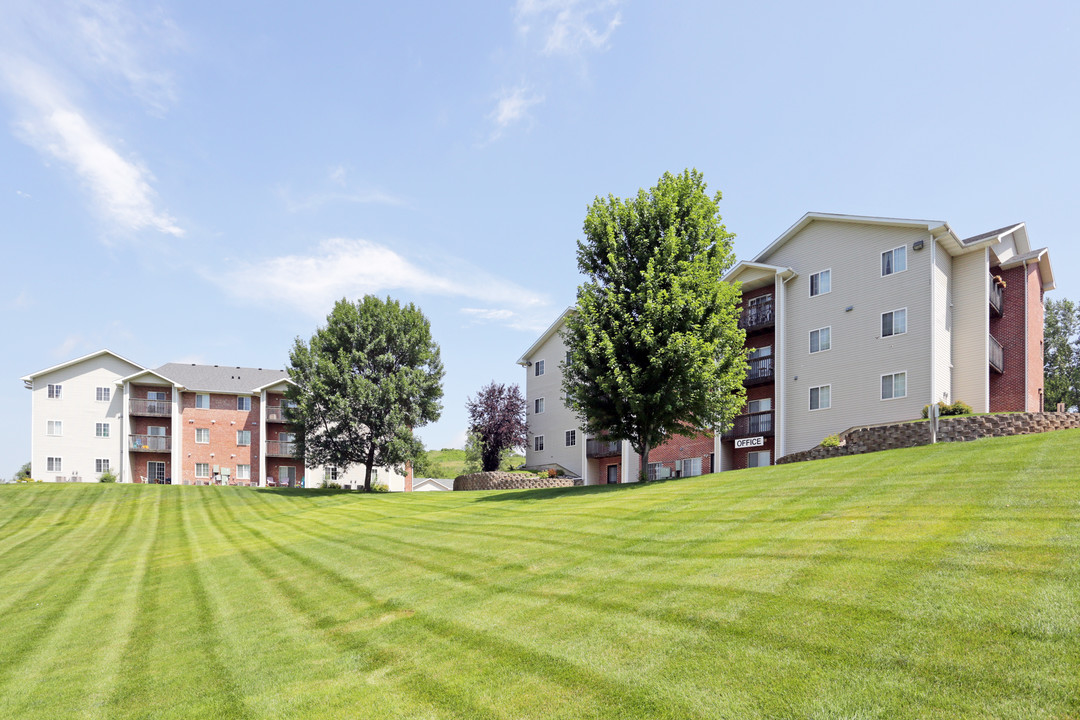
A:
(644, 474)
(367, 472)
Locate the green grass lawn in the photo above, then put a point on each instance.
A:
(450, 463)
(935, 582)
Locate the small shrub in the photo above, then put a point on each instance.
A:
(944, 410)
(552, 472)
(107, 477)
(831, 441)
(379, 488)
(331, 485)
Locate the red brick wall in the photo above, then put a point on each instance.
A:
(739, 457)
(140, 462)
(684, 448)
(747, 296)
(1035, 339)
(1007, 392)
(223, 420)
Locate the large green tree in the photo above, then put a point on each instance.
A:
(366, 380)
(655, 347)
(1061, 356)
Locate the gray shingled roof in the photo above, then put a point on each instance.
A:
(992, 233)
(220, 378)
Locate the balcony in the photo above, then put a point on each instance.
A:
(151, 408)
(751, 424)
(276, 413)
(997, 297)
(280, 448)
(150, 443)
(758, 317)
(997, 355)
(603, 448)
(760, 370)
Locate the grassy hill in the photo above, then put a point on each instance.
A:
(448, 463)
(933, 582)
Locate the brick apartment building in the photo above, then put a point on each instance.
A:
(179, 423)
(849, 320)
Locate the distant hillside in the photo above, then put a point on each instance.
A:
(448, 463)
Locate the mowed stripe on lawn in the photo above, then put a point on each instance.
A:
(940, 581)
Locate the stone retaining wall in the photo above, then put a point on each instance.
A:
(510, 481)
(874, 438)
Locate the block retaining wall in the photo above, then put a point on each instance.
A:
(510, 481)
(874, 438)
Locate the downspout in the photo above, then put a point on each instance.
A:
(933, 321)
(781, 361)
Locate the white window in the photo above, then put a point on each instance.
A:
(54, 427)
(894, 323)
(569, 358)
(103, 394)
(691, 467)
(894, 261)
(820, 339)
(538, 443)
(761, 352)
(820, 283)
(759, 458)
(538, 368)
(330, 474)
(756, 406)
(101, 465)
(202, 401)
(571, 438)
(820, 397)
(202, 436)
(56, 392)
(202, 470)
(156, 430)
(101, 430)
(243, 472)
(538, 405)
(243, 437)
(243, 402)
(760, 302)
(54, 464)
(155, 470)
(894, 386)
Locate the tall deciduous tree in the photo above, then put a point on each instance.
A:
(497, 418)
(655, 347)
(366, 380)
(1061, 357)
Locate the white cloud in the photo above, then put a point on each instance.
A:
(531, 320)
(352, 268)
(67, 347)
(337, 175)
(20, 193)
(317, 200)
(488, 313)
(569, 27)
(512, 106)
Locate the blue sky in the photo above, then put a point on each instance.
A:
(199, 181)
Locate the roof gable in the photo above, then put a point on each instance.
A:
(76, 361)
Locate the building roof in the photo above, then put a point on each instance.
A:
(220, 378)
(1042, 258)
(995, 234)
(76, 361)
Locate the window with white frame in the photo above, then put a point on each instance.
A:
(894, 323)
(56, 392)
(101, 430)
(54, 427)
(538, 406)
(243, 437)
(569, 358)
(820, 339)
(202, 470)
(894, 261)
(821, 283)
(243, 402)
(756, 406)
(894, 386)
(103, 394)
(330, 474)
(538, 368)
(538, 443)
(759, 458)
(691, 467)
(821, 397)
(243, 472)
(54, 464)
(202, 436)
(101, 465)
(571, 438)
(202, 401)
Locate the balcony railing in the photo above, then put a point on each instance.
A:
(280, 448)
(751, 424)
(153, 408)
(151, 443)
(276, 413)
(997, 355)
(758, 317)
(760, 370)
(603, 448)
(997, 297)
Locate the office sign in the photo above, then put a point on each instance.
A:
(750, 442)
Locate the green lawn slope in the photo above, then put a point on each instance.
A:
(936, 582)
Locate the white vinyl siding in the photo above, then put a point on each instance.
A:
(894, 261)
(821, 397)
(894, 385)
(820, 339)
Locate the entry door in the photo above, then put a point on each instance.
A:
(612, 474)
(155, 471)
(153, 398)
(287, 475)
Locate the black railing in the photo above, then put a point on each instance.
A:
(281, 448)
(997, 355)
(750, 424)
(758, 317)
(997, 297)
(602, 448)
(760, 370)
(151, 443)
(154, 408)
